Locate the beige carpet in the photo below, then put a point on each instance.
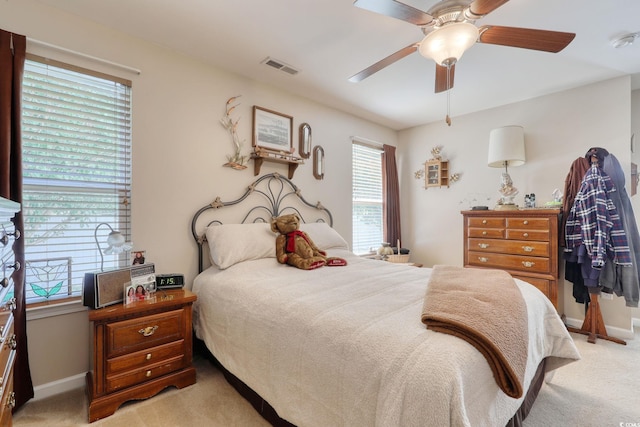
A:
(602, 389)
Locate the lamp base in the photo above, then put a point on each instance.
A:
(506, 207)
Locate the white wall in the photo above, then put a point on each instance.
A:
(558, 129)
(179, 148)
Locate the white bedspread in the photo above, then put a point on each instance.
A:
(345, 346)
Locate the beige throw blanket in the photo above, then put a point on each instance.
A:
(485, 308)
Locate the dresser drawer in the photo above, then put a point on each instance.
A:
(540, 235)
(515, 247)
(7, 345)
(543, 284)
(145, 358)
(7, 397)
(509, 262)
(489, 233)
(486, 222)
(144, 332)
(116, 382)
(528, 223)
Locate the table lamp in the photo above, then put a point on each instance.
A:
(506, 148)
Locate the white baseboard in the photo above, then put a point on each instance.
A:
(58, 386)
(623, 334)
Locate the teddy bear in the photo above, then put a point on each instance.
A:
(294, 247)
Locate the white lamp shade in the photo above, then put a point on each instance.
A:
(506, 144)
(448, 41)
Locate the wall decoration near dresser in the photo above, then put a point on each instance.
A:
(522, 242)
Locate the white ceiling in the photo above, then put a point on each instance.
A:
(330, 40)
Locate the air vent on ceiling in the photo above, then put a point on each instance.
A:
(279, 65)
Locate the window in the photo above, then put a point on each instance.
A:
(367, 198)
(76, 136)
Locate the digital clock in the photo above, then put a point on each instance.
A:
(169, 281)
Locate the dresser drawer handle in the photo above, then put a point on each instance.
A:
(148, 331)
(484, 221)
(16, 265)
(11, 304)
(148, 373)
(483, 245)
(484, 233)
(525, 222)
(11, 401)
(528, 264)
(148, 356)
(13, 342)
(528, 248)
(483, 259)
(525, 235)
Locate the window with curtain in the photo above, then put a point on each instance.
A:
(76, 135)
(367, 202)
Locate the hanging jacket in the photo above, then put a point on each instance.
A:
(623, 281)
(594, 222)
(572, 183)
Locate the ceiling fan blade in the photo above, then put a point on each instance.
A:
(547, 41)
(384, 63)
(395, 9)
(483, 7)
(442, 84)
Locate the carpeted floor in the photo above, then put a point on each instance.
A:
(600, 390)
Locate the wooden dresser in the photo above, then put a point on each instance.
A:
(522, 242)
(8, 343)
(139, 349)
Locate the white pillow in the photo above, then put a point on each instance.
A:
(324, 236)
(230, 244)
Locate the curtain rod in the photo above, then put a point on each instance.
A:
(367, 142)
(84, 55)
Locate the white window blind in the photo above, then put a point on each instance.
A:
(367, 198)
(76, 137)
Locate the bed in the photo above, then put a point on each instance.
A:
(345, 346)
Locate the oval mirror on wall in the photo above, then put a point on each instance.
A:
(318, 162)
(305, 140)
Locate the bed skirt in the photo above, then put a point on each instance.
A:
(269, 413)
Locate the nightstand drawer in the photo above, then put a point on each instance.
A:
(145, 332)
(116, 382)
(145, 358)
(509, 262)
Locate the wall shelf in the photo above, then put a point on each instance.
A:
(260, 156)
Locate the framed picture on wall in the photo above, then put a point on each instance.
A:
(272, 130)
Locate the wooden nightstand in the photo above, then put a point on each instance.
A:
(139, 349)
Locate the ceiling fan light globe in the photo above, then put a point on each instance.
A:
(449, 41)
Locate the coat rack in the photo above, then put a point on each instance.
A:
(593, 325)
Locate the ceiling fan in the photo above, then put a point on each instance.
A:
(449, 29)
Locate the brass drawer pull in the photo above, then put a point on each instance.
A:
(148, 331)
(526, 222)
(11, 401)
(525, 235)
(148, 356)
(11, 304)
(528, 248)
(483, 245)
(484, 233)
(148, 374)
(13, 342)
(483, 259)
(484, 221)
(528, 264)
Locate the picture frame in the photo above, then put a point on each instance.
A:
(272, 130)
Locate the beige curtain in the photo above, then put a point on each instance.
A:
(391, 195)
(12, 57)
